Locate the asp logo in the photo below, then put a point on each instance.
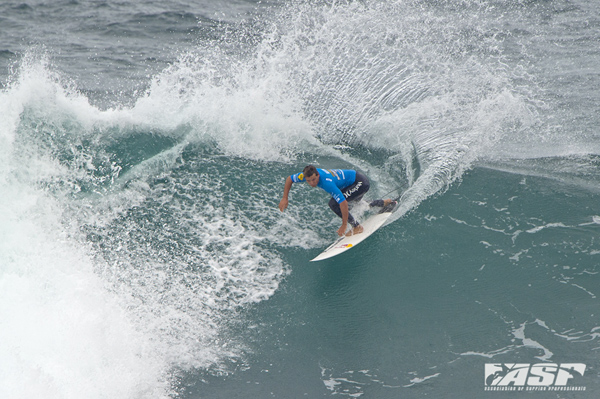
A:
(539, 376)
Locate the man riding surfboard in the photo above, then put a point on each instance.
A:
(344, 185)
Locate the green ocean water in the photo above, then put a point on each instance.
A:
(466, 280)
(143, 153)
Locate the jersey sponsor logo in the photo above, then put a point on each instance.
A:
(337, 173)
(298, 177)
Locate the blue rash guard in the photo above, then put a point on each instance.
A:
(332, 180)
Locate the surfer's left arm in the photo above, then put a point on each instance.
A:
(286, 190)
(344, 208)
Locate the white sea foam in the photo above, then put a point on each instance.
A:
(62, 335)
(419, 380)
(102, 291)
(114, 316)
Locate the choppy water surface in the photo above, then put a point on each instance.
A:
(143, 151)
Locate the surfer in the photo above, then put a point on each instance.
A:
(344, 185)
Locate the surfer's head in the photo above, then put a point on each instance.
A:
(311, 175)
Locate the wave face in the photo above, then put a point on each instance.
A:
(142, 253)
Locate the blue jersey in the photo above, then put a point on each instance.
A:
(332, 180)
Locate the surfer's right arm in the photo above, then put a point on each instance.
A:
(286, 190)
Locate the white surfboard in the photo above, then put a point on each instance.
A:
(345, 243)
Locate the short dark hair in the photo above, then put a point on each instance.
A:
(310, 170)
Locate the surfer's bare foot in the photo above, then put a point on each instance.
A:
(357, 230)
(388, 205)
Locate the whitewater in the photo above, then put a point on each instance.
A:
(143, 152)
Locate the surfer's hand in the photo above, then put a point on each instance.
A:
(357, 230)
(283, 204)
(342, 230)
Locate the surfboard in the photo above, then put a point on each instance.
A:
(347, 242)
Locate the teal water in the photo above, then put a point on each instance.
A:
(143, 152)
(466, 281)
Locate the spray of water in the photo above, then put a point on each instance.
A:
(133, 236)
